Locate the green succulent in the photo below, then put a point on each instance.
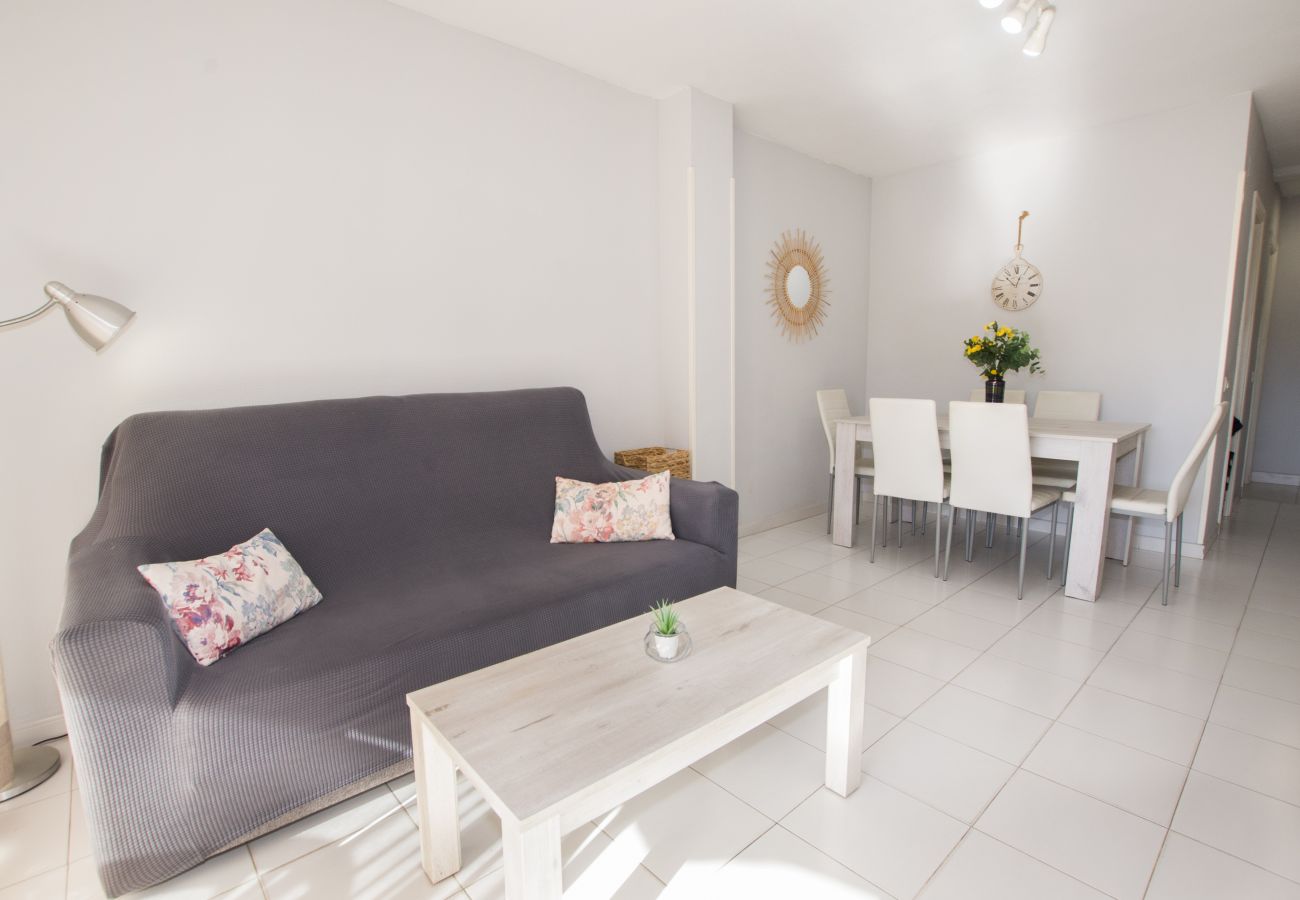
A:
(665, 617)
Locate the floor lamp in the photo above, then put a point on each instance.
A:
(96, 321)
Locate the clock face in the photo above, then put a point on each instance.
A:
(1017, 285)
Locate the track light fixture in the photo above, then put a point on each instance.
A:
(1013, 22)
(1037, 39)
(990, 4)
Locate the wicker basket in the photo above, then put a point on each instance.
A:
(656, 459)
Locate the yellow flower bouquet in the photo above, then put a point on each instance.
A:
(1001, 349)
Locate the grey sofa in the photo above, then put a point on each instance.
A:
(425, 522)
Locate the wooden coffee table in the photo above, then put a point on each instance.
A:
(554, 738)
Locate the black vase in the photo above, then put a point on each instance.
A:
(995, 389)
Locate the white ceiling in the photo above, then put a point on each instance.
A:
(880, 86)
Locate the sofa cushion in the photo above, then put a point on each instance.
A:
(616, 511)
(219, 602)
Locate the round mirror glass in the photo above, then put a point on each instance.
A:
(798, 286)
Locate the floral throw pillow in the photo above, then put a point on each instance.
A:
(588, 513)
(220, 602)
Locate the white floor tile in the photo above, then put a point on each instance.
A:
(1104, 609)
(1256, 714)
(808, 557)
(1032, 689)
(685, 823)
(749, 585)
(859, 570)
(923, 653)
(78, 832)
(768, 571)
(229, 875)
(1281, 600)
(1253, 762)
(52, 884)
(1192, 871)
(996, 608)
(922, 586)
(594, 868)
(1107, 848)
(1135, 723)
(1222, 607)
(797, 602)
(1282, 682)
(821, 587)
(1038, 651)
(33, 839)
(1184, 628)
(1268, 647)
(57, 785)
(996, 728)
(1073, 629)
(1190, 659)
(380, 862)
(1156, 685)
(959, 628)
(768, 769)
(806, 721)
(1145, 785)
(779, 866)
(302, 837)
(950, 776)
(761, 545)
(876, 628)
(982, 868)
(885, 606)
(1249, 825)
(897, 689)
(890, 839)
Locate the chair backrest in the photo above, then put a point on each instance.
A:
(990, 457)
(832, 404)
(1009, 395)
(905, 447)
(1181, 486)
(1076, 406)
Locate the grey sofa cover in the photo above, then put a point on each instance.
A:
(425, 522)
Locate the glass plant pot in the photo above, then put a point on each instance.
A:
(668, 648)
(995, 389)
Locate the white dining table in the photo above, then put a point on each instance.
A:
(1095, 446)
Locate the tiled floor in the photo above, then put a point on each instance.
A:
(1043, 748)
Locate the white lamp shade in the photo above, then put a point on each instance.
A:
(1037, 39)
(96, 320)
(990, 4)
(1014, 21)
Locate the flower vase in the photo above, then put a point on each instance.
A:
(667, 647)
(995, 389)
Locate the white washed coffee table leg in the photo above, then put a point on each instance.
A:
(1091, 519)
(435, 792)
(846, 449)
(845, 701)
(532, 857)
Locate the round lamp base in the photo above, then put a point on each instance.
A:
(32, 766)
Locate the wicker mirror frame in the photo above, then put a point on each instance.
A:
(796, 248)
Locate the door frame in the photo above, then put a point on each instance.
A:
(1271, 246)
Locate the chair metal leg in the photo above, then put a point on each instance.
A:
(900, 524)
(1065, 557)
(1008, 523)
(875, 514)
(970, 534)
(1024, 545)
(830, 503)
(925, 515)
(938, 530)
(1051, 547)
(990, 526)
(952, 526)
(857, 499)
(884, 539)
(913, 517)
(1164, 571)
(1178, 550)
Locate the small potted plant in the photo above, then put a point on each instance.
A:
(999, 350)
(667, 639)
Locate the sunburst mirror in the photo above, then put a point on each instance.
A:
(797, 285)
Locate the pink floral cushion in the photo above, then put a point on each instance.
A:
(220, 602)
(586, 513)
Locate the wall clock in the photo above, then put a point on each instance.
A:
(1019, 283)
(797, 285)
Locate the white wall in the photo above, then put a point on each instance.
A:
(1277, 444)
(781, 455)
(302, 199)
(1131, 225)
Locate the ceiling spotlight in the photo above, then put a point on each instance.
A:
(990, 4)
(1037, 39)
(1014, 21)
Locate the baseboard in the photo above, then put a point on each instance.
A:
(28, 733)
(782, 518)
(1275, 478)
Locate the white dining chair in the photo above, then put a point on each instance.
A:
(1167, 505)
(1072, 406)
(833, 405)
(991, 474)
(908, 463)
(1010, 395)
